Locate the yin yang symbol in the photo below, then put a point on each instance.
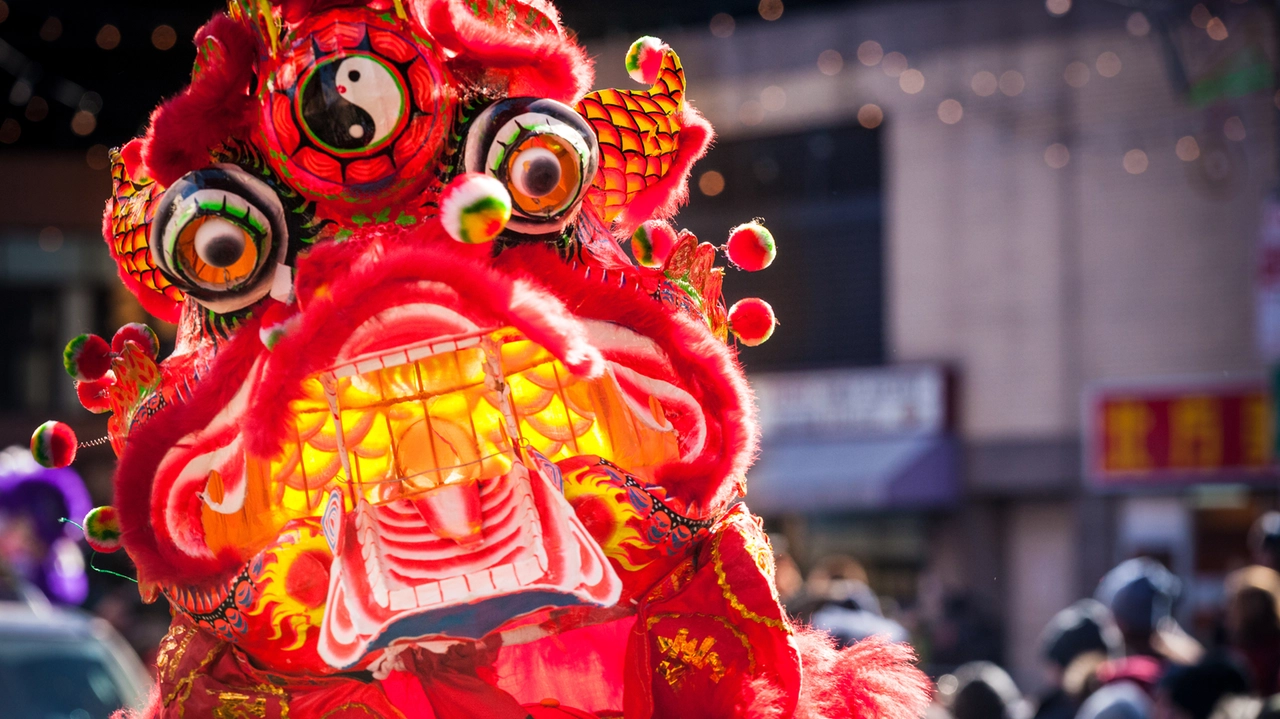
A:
(352, 104)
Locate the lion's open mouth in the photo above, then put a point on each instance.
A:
(453, 520)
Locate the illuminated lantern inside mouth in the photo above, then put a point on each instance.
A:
(425, 424)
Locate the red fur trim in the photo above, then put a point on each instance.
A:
(384, 272)
(703, 366)
(661, 199)
(874, 678)
(145, 535)
(150, 710)
(215, 106)
(546, 65)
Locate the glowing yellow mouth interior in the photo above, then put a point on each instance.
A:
(395, 427)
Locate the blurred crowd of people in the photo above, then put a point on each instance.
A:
(1119, 654)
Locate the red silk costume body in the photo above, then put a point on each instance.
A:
(428, 448)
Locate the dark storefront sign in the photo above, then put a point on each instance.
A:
(840, 440)
(1178, 432)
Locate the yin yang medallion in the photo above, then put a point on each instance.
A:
(353, 104)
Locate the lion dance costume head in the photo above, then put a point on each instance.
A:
(431, 443)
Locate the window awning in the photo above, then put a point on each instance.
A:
(808, 475)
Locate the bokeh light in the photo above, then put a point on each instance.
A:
(1187, 149)
(1057, 8)
(894, 64)
(774, 98)
(97, 157)
(1012, 83)
(165, 37)
(711, 183)
(950, 111)
(1200, 16)
(51, 29)
(37, 109)
(1135, 162)
(1057, 156)
(911, 81)
(108, 37)
(770, 9)
(1138, 25)
(10, 131)
(870, 116)
(1108, 64)
(830, 62)
(83, 123)
(1076, 74)
(870, 53)
(1233, 128)
(1217, 29)
(50, 239)
(984, 83)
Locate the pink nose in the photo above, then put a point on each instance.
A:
(452, 511)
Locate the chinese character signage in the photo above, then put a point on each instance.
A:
(1189, 432)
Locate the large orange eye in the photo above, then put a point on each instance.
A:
(545, 175)
(219, 230)
(543, 151)
(216, 252)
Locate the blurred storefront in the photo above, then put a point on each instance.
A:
(855, 462)
(1190, 465)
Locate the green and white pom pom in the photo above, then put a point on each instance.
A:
(475, 208)
(102, 529)
(644, 59)
(54, 445)
(652, 243)
(87, 358)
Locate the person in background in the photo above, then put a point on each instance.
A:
(839, 600)
(1253, 624)
(1192, 692)
(1075, 642)
(1141, 594)
(985, 691)
(35, 543)
(1120, 700)
(786, 574)
(1264, 540)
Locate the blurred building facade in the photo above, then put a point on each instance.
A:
(1046, 230)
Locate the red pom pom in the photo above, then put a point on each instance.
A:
(95, 396)
(53, 445)
(87, 358)
(644, 59)
(751, 247)
(144, 336)
(277, 320)
(752, 321)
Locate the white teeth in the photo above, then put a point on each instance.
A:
(428, 594)
(402, 599)
(528, 571)
(453, 588)
(480, 582)
(504, 578)
(399, 357)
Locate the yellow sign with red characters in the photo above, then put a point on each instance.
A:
(1200, 432)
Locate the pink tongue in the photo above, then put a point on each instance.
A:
(452, 512)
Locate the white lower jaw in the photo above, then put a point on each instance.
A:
(372, 603)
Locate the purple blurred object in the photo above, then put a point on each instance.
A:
(34, 542)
